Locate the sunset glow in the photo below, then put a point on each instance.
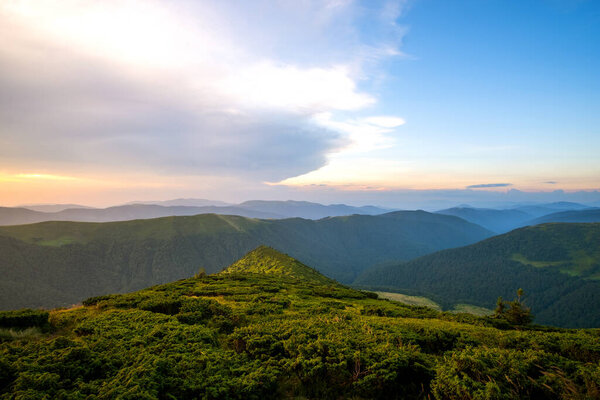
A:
(114, 101)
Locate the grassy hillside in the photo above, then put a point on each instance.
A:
(60, 263)
(272, 336)
(557, 264)
(266, 260)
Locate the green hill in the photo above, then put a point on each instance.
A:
(558, 265)
(251, 335)
(266, 260)
(60, 263)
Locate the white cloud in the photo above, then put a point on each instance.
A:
(363, 134)
(180, 86)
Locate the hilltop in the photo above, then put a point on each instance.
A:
(557, 264)
(60, 263)
(268, 335)
(266, 260)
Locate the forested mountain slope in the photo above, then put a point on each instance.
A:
(254, 335)
(499, 221)
(60, 263)
(589, 215)
(557, 264)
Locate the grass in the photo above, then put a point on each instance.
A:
(57, 242)
(410, 300)
(265, 260)
(579, 264)
(19, 334)
(537, 264)
(471, 309)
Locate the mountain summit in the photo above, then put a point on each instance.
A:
(266, 260)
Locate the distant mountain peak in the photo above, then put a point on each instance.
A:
(267, 260)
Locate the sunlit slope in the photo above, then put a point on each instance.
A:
(83, 259)
(557, 264)
(269, 334)
(266, 260)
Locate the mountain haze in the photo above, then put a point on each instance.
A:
(179, 207)
(504, 220)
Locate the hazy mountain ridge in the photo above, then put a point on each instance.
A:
(557, 264)
(51, 207)
(179, 207)
(504, 220)
(84, 259)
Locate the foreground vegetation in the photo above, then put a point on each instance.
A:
(284, 334)
(557, 264)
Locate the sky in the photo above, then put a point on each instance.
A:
(394, 103)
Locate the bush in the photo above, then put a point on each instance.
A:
(24, 319)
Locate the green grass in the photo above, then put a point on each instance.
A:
(57, 242)
(266, 260)
(537, 264)
(471, 309)
(410, 300)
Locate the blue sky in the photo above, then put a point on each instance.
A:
(387, 102)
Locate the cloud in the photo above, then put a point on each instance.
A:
(180, 87)
(550, 182)
(489, 185)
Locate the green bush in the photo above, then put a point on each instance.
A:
(24, 319)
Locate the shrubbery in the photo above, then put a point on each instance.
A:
(271, 337)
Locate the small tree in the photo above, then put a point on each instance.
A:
(201, 273)
(514, 312)
(518, 313)
(499, 311)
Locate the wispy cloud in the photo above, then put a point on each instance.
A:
(489, 185)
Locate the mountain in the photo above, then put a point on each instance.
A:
(558, 265)
(498, 221)
(266, 260)
(565, 205)
(504, 220)
(13, 216)
(252, 209)
(51, 207)
(60, 263)
(305, 209)
(266, 335)
(183, 203)
(539, 210)
(587, 215)
(18, 215)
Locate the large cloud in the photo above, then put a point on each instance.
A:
(167, 87)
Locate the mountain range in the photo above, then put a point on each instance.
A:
(60, 263)
(557, 264)
(504, 220)
(251, 209)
